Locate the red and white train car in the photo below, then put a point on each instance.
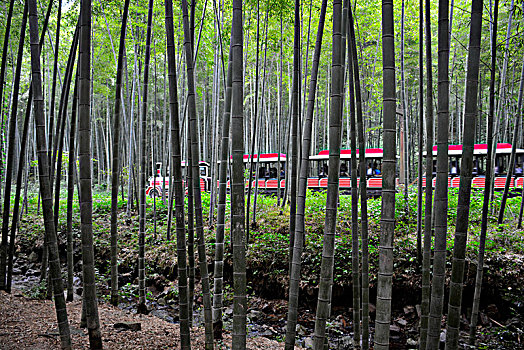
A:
(266, 168)
(319, 170)
(159, 185)
(501, 166)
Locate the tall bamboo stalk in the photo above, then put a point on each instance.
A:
(466, 169)
(426, 254)
(143, 165)
(195, 155)
(441, 187)
(177, 185)
(115, 166)
(387, 222)
(45, 187)
(221, 214)
(335, 122)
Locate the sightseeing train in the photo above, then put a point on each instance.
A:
(266, 176)
(501, 166)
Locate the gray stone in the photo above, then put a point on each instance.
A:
(402, 322)
(345, 342)
(132, 326)
(255, 315)
(301, 330)
(161, 301)
(33, 257)
(411, 342)
(163, 314)
(394, 328)
(308, 343)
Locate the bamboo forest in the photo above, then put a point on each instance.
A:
(261, 174)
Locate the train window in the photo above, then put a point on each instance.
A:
(377, 168)
(261, 172)
(273, 173)
(500, 164)
(344, 172)
(203, 171)
(479, 164)
(454, 168)
(322, 169)
(518, 169)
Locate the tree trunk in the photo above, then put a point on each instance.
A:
(221, 214)
(466, 168)
(178, 188)
(420, 128)
(195, 155)
(143, 169)
(85, 195)
(363, 202)
(52, 141)
(441, 188)
(71, 169)
(45, 187)
(512, 165)
(2, 82)
(115, 171)
(387, 222)
(304, 170)
(295, 108)
(335, 122)
(238, 234)
(11, 153)
(426, 255)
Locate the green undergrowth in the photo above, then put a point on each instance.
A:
(267, 254)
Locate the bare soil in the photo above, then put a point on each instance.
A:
(31, 324)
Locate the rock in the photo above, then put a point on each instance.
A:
(163, 314)
(484, 319)
(411, 342)
(161, 301)
(267, 308)
(228, 311)
(492, 310)
(255, 315)
(394, 328)
(408, 309)
(443, 336)
(77, 282)
(33, 257)
(402, 322)
(345, 343)
(17, 272)
(32, 273)
(131, 326)
(308, 343)
(301, 330)
(266, 333)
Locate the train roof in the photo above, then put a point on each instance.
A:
(346, 154)
(262, 157)
(201, 163)
(265, 157)
(479, 149)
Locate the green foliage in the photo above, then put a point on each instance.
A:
(37, 291)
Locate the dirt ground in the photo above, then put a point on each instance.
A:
(31, 324)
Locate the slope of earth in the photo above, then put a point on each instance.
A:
(31, 324)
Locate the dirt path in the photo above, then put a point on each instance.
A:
(31, 324)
